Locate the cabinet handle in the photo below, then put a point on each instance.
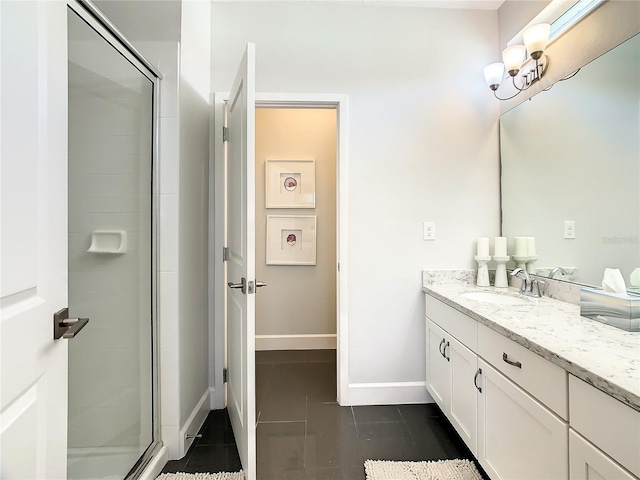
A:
(475, 380)
(511, 362)
(440, 347)
(444, 351)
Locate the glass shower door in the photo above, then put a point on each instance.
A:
(110, 256)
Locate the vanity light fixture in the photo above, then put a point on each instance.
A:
(535, 38)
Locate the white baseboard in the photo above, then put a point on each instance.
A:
(193, 423)
(391, 393)
(296, 342)
(155, 466)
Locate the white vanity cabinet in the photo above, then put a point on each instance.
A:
(518, 437)
(501, 376)
(512, 434)
(449, 366)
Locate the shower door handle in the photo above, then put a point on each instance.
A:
(65, 327)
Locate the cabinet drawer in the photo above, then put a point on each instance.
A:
(609, 424)
(462, 328)
(542, 379)
(586, 462)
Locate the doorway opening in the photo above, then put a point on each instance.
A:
(222, 194)
(296, 256)
(337, 103)
(296, 197)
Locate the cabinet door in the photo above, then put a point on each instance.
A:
(518, 438)
(586, 462)
(463, 412)
(438, 369)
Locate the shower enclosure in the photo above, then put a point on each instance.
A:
(112, 427)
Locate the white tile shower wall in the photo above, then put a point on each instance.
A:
(109, 185)
(166, 57)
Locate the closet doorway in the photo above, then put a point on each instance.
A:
(296, 194)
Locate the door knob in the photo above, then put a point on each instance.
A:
(65, 327)
(242, 285)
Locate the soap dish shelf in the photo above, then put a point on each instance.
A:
(113, 242)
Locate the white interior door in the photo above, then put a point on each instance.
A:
(33, 250)
(240, 117)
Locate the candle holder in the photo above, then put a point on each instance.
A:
(483, 271)
(501, 271)
(521, 261)
(530, 262)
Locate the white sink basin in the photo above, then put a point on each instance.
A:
(496, 298)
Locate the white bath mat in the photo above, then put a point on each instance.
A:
(201, 476)
(439, 470)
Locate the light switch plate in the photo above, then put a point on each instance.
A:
(569, 229)
(429, 231)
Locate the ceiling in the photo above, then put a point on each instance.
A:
(455, 4)
(160, 19)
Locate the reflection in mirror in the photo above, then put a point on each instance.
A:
(572, 154)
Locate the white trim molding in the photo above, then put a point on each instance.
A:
(296, 342)
(193, 424)
(339, 102)
(390, 393)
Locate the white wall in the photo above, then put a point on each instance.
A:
(423, 146)
(513, 15)
(193, 210)
(299, 300)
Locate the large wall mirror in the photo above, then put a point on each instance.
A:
(572, 153)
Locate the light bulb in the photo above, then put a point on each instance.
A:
(493, 74)
(536, 38)
(513, 57)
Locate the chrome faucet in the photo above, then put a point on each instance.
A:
(556, 270)
(529, 287)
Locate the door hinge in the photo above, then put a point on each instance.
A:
(225, 375)
(225, 134)
(225, 254)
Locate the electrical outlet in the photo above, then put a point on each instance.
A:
(429, 231)
(569, 229)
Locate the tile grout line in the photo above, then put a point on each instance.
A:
(306, 417)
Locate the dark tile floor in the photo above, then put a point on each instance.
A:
(303, 434)
(214, 452)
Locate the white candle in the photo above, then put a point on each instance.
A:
(531, 246)
(500, 249)
(483, 246)
(521, 247)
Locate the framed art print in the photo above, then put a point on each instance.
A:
(290, 183)
(291, 240)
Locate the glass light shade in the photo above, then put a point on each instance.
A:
(513, 57)
(536, 38)
(493, 74)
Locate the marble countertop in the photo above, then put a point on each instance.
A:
(604, 356)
